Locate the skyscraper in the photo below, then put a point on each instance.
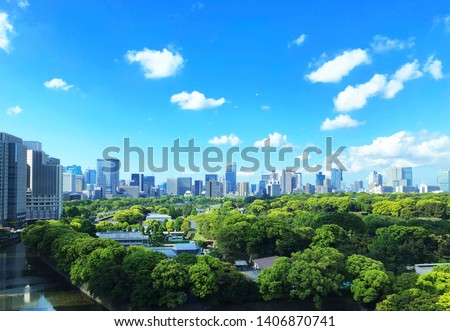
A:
(243, 189)
(336, 178)
(319, 178)
(209, 177)
(90, 177)
(44, 185)
(172, 186)
(198, 187)
(137, 180)
(13, 177)
(288, 181)
(149, 185)
(400, 176)
(230, 177)
(108, 175)
(184, 184)
(214, 189)
(443, 180)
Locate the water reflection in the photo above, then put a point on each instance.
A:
(30, 285)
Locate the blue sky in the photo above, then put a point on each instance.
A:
(81, 76)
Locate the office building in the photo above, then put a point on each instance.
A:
(375, 179)
(13, 177)
(230, 177)
(443, 180)
(288, 181)
(243, 189)
(171, 188)
(214, 189)
(209, 177)
(149, 186)
(74, 169)
(44, 185)
(400, 176)
(137, 180)
(262, 187)
(69, 182)
(319, 178)
(184, 184)
(336, 179)
(198, 188)
(90, 177)
(108, 176)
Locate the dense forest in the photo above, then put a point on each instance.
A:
(332, 244)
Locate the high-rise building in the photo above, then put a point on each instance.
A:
(149, 185)
(319, 178)
(262, 187)
(13, 180)
(74, 169)
(336, 179)
(288, 181)
(209, 177)
(400, 176)
(443, 180)
(243, 189)
(214, 189)
(137, 180)
(198, 188)
(90, 177)
(44, 185)
(172, 186)
(184, 184)
(69, 182)
(108, 175)
(230, 176)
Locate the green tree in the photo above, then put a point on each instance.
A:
(169, 279)
(370, 286)
(356, 264)
(273, 282)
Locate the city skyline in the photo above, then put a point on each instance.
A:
(168, 71)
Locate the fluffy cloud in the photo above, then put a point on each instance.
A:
(433, 67)
(401, 149)
(334, 70)
(299, 41)
(355, 97)
(156, 64)
(275, 140)
(12, 111)
(341, 121)
(6, 30)
(195, 101)
(384, 44)
(408, 71)
(265, 107)
(231, 139)
(57, 84)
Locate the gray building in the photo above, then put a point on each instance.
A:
(184, 184)
(13, 180)
(443, 180)
(172, 186)
(44, 185)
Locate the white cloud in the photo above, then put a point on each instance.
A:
(231, 139)
(6, 30)
(195, 101)
(408, 71)
(299, 41)
(23, 4)
(334, 70)
(433, 67)
(275, 140)
(12, 111)
(57, 84)
(392, 88)
(355, 97)
(383, 44)
(445, 21)
(156, 64)
(265, 107)
(401, 149)
(341, 121)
